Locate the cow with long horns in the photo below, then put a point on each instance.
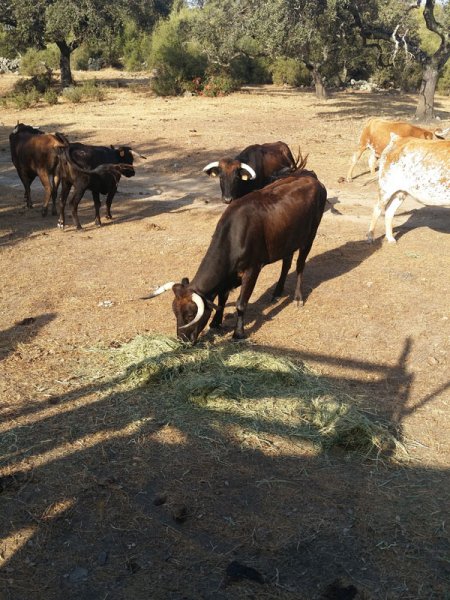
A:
(261, 228)
(251, 169)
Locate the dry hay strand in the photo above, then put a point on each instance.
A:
(252, 390)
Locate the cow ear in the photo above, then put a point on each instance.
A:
(214, 172)
(185, 281)
(244, 175)
(180, 290)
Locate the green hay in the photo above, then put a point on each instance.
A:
(253, 390)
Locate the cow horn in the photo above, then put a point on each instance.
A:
(137, 155)
(200, 310)
(159, 290)
(212, 165)
(441, 133)
(249, 170)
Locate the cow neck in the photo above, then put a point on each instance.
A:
(211, 276)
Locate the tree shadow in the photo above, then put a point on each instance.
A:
(128, 494)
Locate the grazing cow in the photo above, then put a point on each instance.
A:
(251, 169)
(80, 167)
(34, 153)
(375, 136)
(261, 228)
(420, 168)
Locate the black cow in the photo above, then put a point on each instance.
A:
(261, 228)
(80, 167)
(251, 169)
(35, 154)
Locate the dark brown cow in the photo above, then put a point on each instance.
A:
(34, 153)
(79, 167)
(251, 169)
(261, 228)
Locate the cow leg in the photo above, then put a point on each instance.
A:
(77, 195)
(248, 284)
(27, 180)
(65, 190)
(48, 187)
(109, 199)
(356, 156)
(54, 194)
(377, 209)
(284, 271)
(301, 260)
(389, 215)
(372, 161)
(97, 204)
(218, 317)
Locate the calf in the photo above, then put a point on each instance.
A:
(420, 168)
(80, 167)
(261, 228)
(35, 154)
(251, 169)
(375, 136)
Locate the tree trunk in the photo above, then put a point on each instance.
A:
(321, 91)
(64, 64)
(425, 106)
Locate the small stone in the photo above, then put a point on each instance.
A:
(78, 574)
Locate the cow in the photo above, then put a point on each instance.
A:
(34, 154)
(260, 228)
(412, 166)
(80, 167)
(251, 169)
(375, 136)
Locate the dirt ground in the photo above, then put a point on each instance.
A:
(83, 469)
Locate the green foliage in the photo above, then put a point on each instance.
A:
(246, 69)
(443, 85)
(176, 59)
(80, 57)
(289, 71)
(136, 47)
(23, 100)
(40, 83)
(89, 90)
(219, 85)
(51, 97)
(33, 63)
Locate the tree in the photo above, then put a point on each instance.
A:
(69, 23)
(396, 25)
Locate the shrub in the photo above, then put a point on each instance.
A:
(219, 85)
(176, 60)
(289, 71)
(51, 96)
(443, 85)
(89, 90)
(80, 58)
(39, 62)
(24, 100)
(38, 82)
(73, 94)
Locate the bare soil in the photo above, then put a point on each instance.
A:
(105, 495)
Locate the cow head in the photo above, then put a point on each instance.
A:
(191, 311)
(231, 173)
(124, 155)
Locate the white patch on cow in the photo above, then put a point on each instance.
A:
(419, 174)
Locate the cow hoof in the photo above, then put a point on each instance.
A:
(300, 303)
(369, 239)
(238, 337)
(391, 240)
(275, 299)
(97, 224)
(109, 217)
(60, 225)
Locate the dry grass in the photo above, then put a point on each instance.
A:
(269, 393)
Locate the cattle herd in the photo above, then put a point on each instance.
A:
(275, 203)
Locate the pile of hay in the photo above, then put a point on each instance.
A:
(251, 388)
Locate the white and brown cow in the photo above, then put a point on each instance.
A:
(420, 168)
(375, 136)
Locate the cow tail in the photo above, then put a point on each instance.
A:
(300, 162)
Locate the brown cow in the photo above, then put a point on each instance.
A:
(251, 169)
(34, 153)
(375, 136)
(261, 228)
